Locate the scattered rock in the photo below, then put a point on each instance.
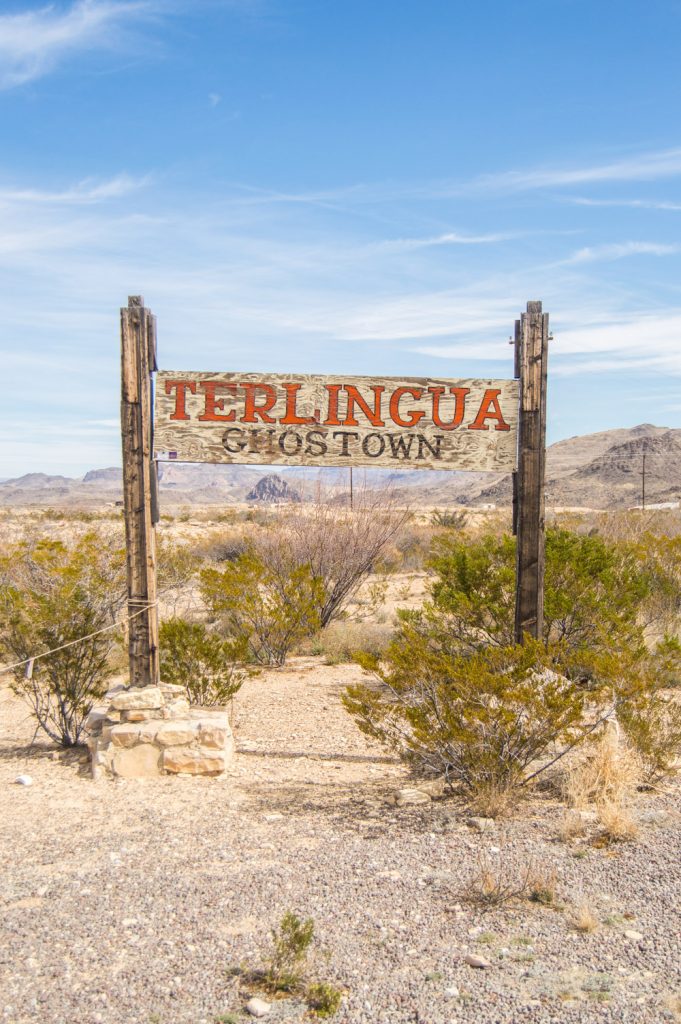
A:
(452, 992)
(473, 960)
(411, 796)
(257, 1007)
(23, 780)
(634, 936)
(143, 698)
(482, 824)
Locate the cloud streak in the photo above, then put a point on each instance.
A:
(33, 43)
(620, 250)
(83, 194)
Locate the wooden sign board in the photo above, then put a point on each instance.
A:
(296, 420)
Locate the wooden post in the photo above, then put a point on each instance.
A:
(532, 333)
(138, 360)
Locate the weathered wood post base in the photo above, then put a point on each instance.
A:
(151, 731)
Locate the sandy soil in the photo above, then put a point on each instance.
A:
(133, 901)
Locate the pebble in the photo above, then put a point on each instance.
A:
(258, 1007)
(23, 780)
(473, 960)
(482, 824)
(452, 992)
(633, 935)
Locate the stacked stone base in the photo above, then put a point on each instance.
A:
(150, 731)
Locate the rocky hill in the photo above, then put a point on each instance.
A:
(274, 491)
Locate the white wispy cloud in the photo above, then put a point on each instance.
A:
(34, 42)
(83, 193)
(620, 250)
(449, 238)
(642, 167)
(632, 204)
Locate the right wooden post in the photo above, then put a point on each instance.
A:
(531, 354)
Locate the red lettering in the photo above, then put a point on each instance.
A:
(414, 415)
(489, 410)
(251, 410)
(180, 387)
(291, 411)
(212, 404)
(355, 398)
(459, 407)
(332, 418)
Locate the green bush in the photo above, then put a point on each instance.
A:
(292, 940)
(457, 697)
(482, 719)
(270, 611)
(592, 590)
(50, 595)
(207, 665)
(323, 999)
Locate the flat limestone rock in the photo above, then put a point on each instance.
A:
(175, 733)
(193, 762)
(143, 698)
(140, 762)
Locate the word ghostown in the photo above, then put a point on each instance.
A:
(333, 421)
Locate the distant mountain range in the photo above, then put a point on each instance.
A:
(604, 470)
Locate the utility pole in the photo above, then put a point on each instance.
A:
(643, 483)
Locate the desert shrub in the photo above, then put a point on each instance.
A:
(592, 590)
(339, 546)
(208, 666)
(291, 941)
(481, 718)
(50, 595)
(341, 641)
(269, 609)
(449, 520)
(323, 999)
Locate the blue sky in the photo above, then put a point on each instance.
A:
(327, 186)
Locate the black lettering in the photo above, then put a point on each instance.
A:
(365, 445)
(320, 445)
(240, 445)
(346, 435)
(399, 447)
(425, 443)
(282, 442)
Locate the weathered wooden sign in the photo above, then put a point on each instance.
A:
(296, 420)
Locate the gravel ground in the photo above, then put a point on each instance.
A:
(132, 901)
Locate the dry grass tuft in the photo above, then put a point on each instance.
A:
(541, 885)
(583, 919)
(610, 771)
(496, 883)
(492, 800)
(618, 826)
(572, 826)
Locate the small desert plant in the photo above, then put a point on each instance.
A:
(341, 641)
(323, 999)
(583, 918)
(541, 885)
(208, 666)
(495, 883)
(449, 520)
(272, 611)
(618, 826)
(292, 940)
(652, 723)
(609, 770)
(50, 595)
(572, 826)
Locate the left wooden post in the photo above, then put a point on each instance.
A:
(138, 361)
